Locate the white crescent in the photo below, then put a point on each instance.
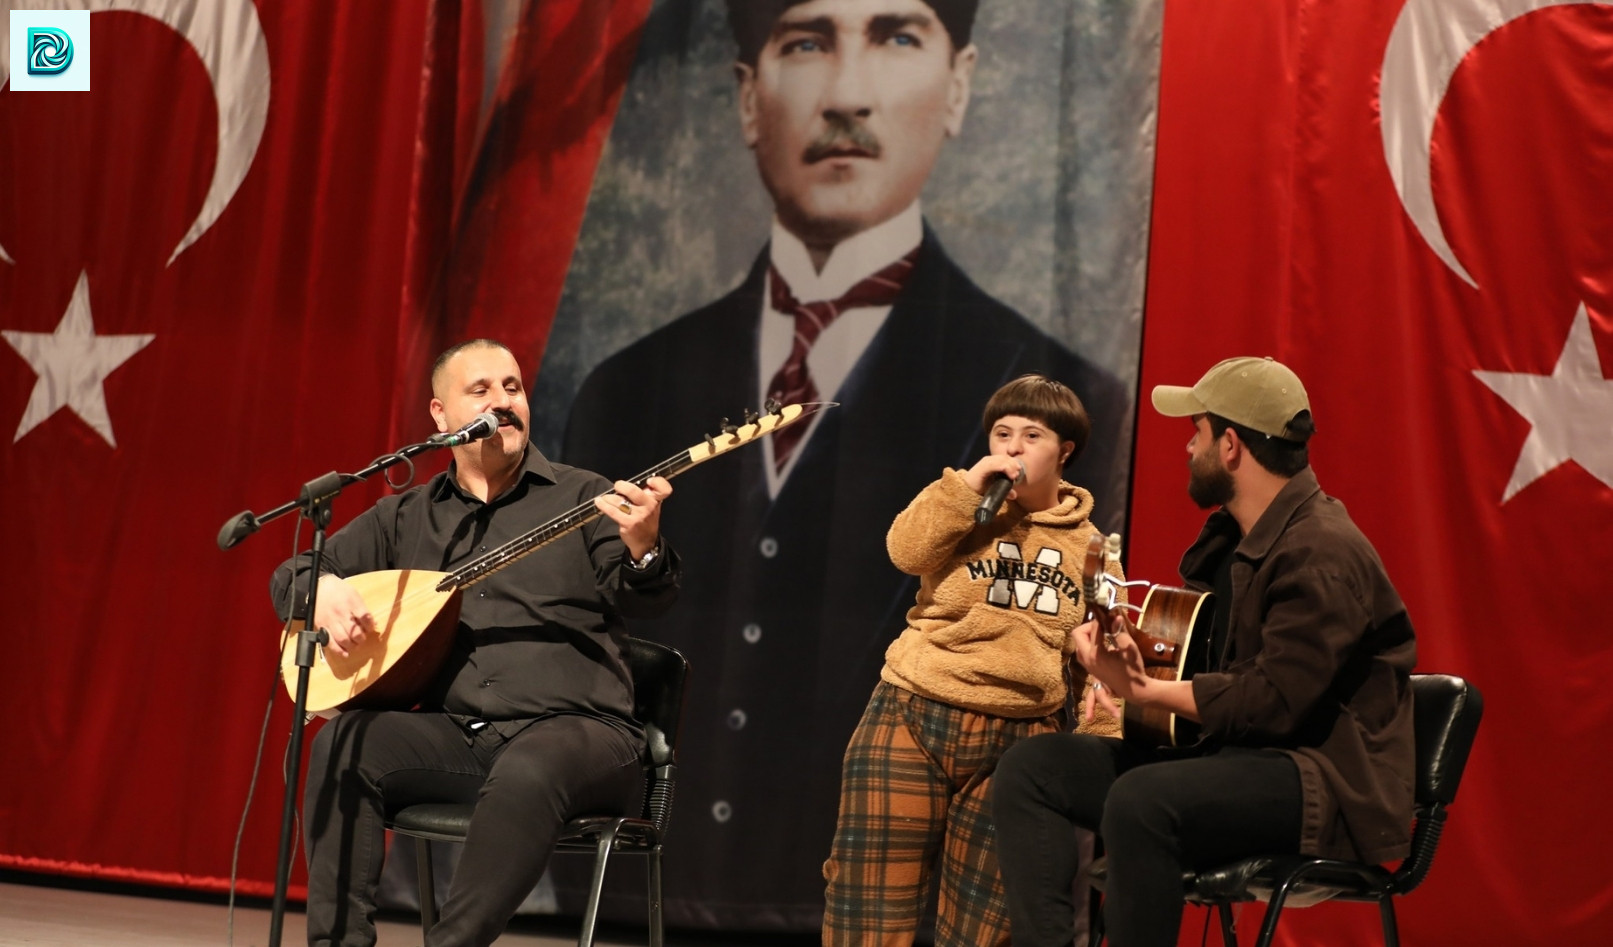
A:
(1429, 40)
(229, 39)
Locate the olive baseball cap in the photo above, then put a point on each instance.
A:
(1258, 393)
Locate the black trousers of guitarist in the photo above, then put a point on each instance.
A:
(1155, 813)
(525, 785)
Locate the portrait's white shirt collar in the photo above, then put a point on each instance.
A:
(850, 261)
(841, 344)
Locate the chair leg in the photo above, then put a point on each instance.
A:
(428, 885)
(590, 915)
(1229, 932)
(1391, 932)
(1268, 927)
(657, 922)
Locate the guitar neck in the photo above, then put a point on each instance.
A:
(1103, 605)
(485, 565)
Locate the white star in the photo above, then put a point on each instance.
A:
(71, 363)
(1571, 410)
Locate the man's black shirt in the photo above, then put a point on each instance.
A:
(541, 636)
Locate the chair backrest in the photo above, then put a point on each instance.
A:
(659, 673)
(1446, 718)
(1446, 715)
(659, 676)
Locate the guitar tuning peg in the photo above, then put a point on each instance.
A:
(771, 406)
(711, 444)
(728, 427)
(751, 416)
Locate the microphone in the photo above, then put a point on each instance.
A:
(996, 493)
(483, 425)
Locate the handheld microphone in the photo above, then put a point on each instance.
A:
(483, 425)
(995, 494)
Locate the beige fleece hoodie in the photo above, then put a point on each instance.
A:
(995, 602)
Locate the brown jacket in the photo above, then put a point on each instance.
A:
(1321, 654)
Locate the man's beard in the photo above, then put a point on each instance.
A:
(1208, 483)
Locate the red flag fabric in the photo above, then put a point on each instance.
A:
(216, 268)
(147, 394)
(522, 191)
(1408, 202)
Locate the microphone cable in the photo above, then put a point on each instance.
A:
(257, 758)
(268, 709)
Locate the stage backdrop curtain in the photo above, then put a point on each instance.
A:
(1411, 203)
(1464, 420)
(1038, 213)
(217, 267)
(403, 176)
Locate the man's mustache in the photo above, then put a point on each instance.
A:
(510, 418)
(843, 134)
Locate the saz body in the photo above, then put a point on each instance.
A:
(417, 611)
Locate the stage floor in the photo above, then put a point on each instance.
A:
(53, 916)
(58, 912)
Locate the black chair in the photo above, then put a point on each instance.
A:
(1446, 719)
(659, 674)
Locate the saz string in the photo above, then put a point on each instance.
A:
(485, 565)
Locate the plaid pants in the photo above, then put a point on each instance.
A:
(913, 792)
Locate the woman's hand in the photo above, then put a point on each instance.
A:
(980, 475)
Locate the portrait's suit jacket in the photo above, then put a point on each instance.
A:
(788, 605)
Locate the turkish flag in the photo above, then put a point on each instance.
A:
(204, 260)
(224, 272)
(1411, 203)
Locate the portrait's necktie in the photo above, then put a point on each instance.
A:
(793, 384)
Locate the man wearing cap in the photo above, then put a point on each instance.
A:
(791, 603)
(1306, 708)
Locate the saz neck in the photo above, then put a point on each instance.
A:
(488, 563)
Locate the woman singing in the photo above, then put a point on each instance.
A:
(980, 666)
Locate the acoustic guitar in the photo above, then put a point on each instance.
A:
(417, 611)
(1172, 631)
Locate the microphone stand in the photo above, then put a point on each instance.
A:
(314, 502)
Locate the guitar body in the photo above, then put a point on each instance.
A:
(1174, 635)
(414, 629)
